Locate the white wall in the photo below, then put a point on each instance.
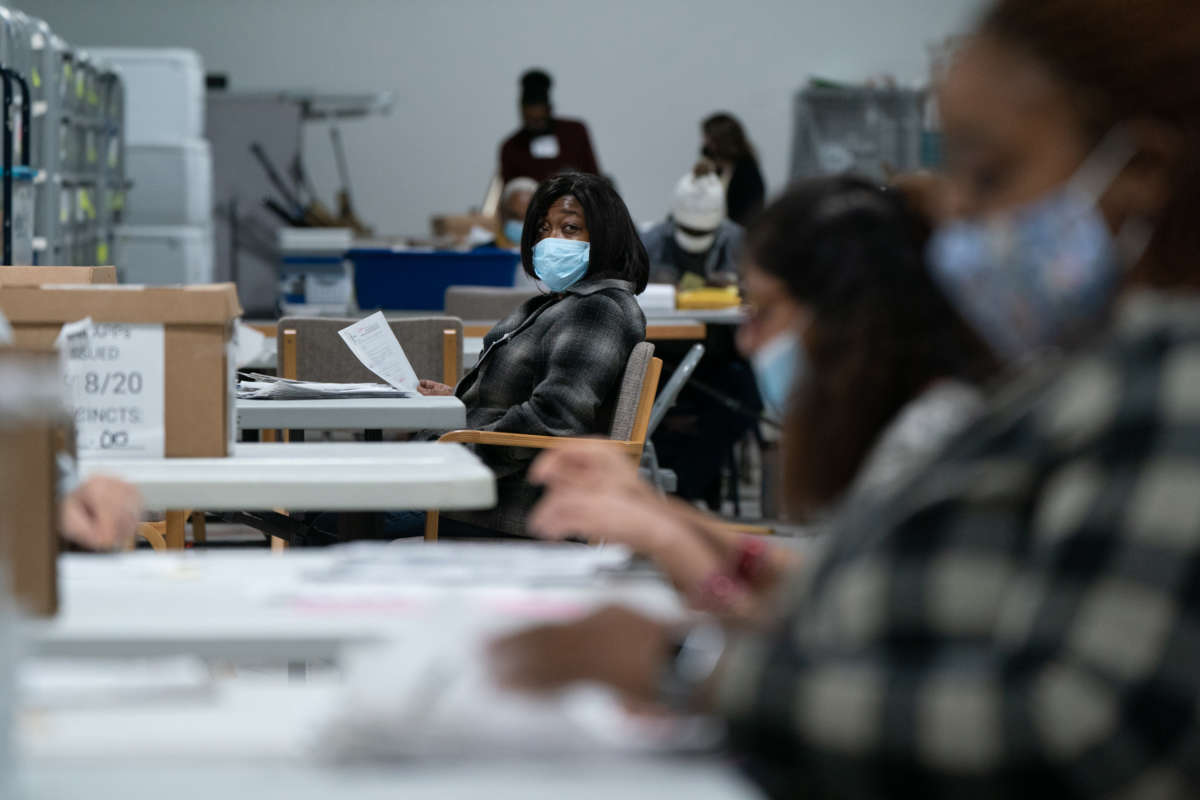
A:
(642, 73)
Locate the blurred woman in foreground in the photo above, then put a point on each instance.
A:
(1021, 620)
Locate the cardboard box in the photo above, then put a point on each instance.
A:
(32, 423)
(198, 405)
(36, 276)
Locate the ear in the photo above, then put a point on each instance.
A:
(1144, 188)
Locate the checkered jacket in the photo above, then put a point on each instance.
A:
(552, 368)
(1023, 618)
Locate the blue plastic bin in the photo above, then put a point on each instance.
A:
(417, 279)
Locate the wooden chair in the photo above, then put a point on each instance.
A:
(631, 418)
(311, 349)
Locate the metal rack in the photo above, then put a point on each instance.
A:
(74, 105)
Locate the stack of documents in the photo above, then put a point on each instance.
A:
(373, 343)
(268, 387)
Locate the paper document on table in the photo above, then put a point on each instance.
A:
(253, 386)
(434, 697)
(68, 683)
(472, 564)
(374, 344)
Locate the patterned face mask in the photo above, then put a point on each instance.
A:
(1043, 275)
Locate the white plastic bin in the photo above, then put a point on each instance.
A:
(172, 183)
(164, 91)
(164, 255)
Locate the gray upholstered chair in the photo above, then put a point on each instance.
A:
(631, 417)
(485, 303)
(310, 349)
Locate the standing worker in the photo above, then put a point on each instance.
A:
(545, 145)
(728, 148)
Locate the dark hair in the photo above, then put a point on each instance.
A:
(728, 136)
(1122, 60)
(535, 88)
(616, 248)
(881, 332)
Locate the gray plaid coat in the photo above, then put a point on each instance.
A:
(1020, 620)
(552, 368)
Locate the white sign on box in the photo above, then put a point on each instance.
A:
(115, 380)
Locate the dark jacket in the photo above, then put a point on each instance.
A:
(669, 262)
(746, 192)
(574, 153)
(552, 368)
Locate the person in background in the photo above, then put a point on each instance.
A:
(877, 386)
(726, 146)
(101, 513)
(545, 145)
(1021, 620)
(514, 202)
(554, 366)
(696, 245)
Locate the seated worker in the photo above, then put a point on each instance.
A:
(545, 145)
(696, 244)
(877, 387)
(100, 514)
(1020, 620)
(514, 202)
(554, 366)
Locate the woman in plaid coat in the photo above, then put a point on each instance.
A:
(554, 366)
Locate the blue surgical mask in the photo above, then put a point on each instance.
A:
(1042, 276)
(513, 228)
(560, 263)
(778, 366)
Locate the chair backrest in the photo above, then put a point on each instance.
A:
(666, 398)
(485, 303)
(322, 355)
(631, 416)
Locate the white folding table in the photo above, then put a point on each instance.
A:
(359, 476)
(399, 414)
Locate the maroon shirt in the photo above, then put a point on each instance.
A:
(574, 153)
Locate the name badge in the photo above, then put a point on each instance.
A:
(544, 146)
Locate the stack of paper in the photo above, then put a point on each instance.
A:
(268, 387)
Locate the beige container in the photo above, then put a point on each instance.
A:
(34, 428)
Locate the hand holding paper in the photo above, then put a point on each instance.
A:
(374, 344)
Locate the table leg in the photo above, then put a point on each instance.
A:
(199, 528)
(176, 522)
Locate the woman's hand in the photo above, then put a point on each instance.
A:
(607, 514)
(592, 465)
(614, 646)
(434, 389)
(102, 514)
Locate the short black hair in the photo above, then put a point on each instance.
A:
(535, 87)
(616, 248)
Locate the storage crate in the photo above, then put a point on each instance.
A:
(171, 183)
(164, 92)
(417, 279)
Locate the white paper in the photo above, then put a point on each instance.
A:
(115, 379)
(544, 146)
(250, 345)
(269, 387)
(374, 344)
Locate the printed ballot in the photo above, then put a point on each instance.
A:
(374, 344)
